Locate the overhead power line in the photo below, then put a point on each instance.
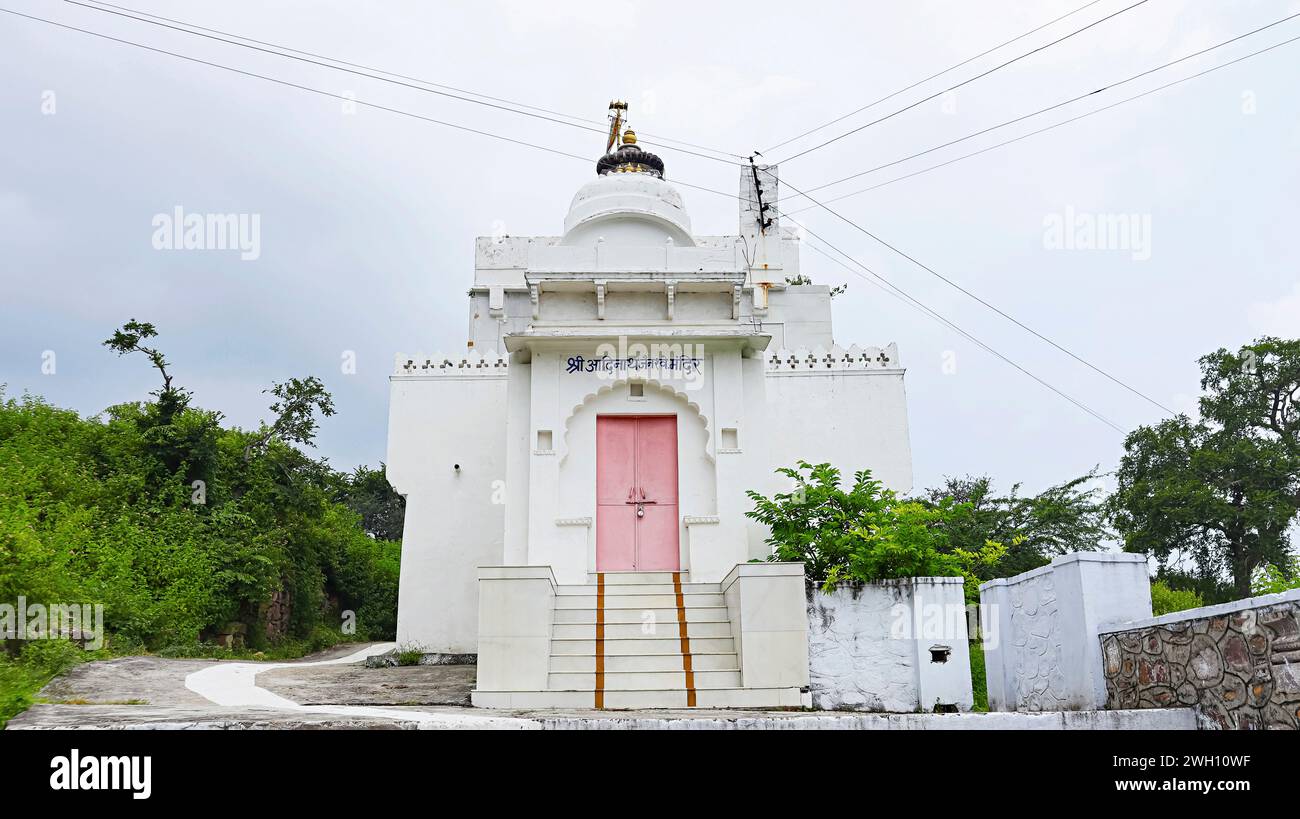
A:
(348, 68)
(332, 95)
(555, 151)
(1063, 103)
(909, 299)
(960, 84)
(1040, 130)
(982, 301)
(953, 67)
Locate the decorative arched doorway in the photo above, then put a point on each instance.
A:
(636, 493)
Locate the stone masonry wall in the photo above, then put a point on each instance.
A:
(1238, 664)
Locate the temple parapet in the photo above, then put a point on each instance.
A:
(820, 359)
(486, 364)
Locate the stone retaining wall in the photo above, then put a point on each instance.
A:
(1238, 663)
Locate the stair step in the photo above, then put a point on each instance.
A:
(648, 601)
(622, 578)
(639, 630)
(640, 680)
(623, 700)
(644, 662)
(698, 614)
(622, 590)
(748, 698)
(586, 646)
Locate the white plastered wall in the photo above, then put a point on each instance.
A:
(1041, 650)
(454, 517)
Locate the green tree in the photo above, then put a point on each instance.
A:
(126, 340)
(368, 493)
(1220, 492)
(296, 403)
(180, 442)
(1068, 517)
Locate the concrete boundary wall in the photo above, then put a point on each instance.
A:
(1041, 650)
(897, 645)
(768, 627)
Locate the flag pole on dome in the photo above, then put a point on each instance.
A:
(617, 116)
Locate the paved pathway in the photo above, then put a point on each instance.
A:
(235, 685)
(206, 694)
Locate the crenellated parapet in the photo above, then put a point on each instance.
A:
(487, 364)
(837, 358)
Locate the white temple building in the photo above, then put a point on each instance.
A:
(575, 479)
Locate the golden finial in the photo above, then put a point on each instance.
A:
(629, 137)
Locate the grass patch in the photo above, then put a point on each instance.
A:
(409, 654)
(80, 701)
(978, 682)
(35, 665)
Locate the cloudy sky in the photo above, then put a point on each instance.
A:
(367, 218)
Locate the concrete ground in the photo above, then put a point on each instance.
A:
(334, 689)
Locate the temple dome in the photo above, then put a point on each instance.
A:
(628, 208)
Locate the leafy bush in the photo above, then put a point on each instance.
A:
(865, 533)
(22, 676)
(1165, 600)
(181, 526)
(96, 510)
(1271, 579)
(817, 522)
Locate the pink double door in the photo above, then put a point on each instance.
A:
(636, 493)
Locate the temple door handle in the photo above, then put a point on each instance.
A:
(640, 504)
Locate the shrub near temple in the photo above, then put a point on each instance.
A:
(865, 533)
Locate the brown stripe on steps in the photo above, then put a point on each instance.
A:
(686, 640)
(600, 640)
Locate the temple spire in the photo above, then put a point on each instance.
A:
(628, 158)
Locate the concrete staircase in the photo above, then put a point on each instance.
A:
(642, 640)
